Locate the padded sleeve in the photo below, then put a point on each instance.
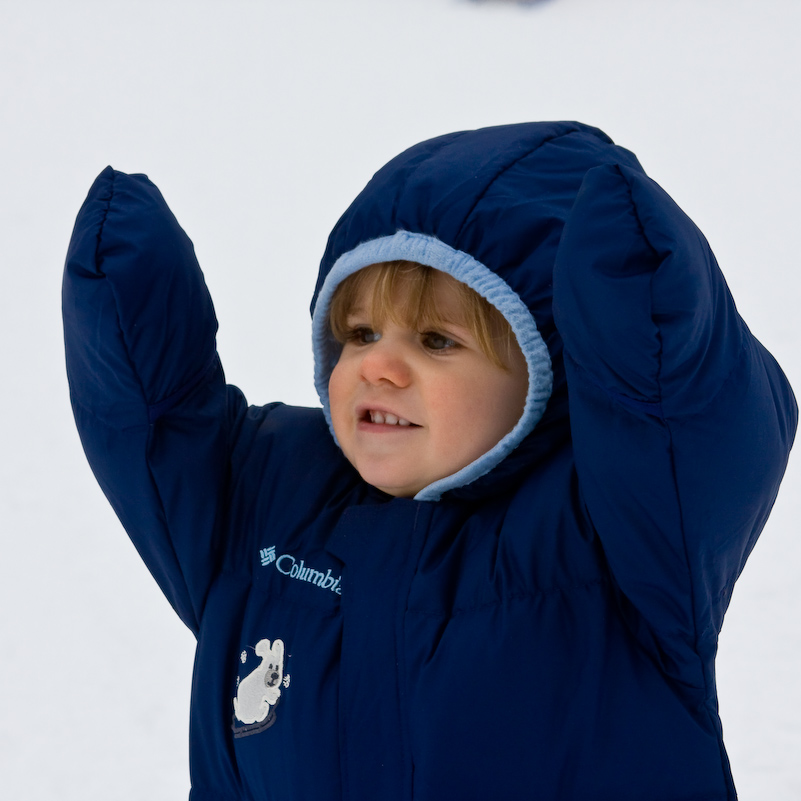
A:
(682, 422)
(146, 386)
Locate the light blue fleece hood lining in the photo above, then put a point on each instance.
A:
(432, 252)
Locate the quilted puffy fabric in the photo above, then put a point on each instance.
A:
(543, 626)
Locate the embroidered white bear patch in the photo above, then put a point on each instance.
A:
(259, 692)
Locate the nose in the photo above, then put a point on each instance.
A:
(385, 362)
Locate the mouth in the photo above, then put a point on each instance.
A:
(384, 418)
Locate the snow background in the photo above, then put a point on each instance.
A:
(260, 121)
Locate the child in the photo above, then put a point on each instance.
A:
(503, 577)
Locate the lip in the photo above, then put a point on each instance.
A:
(384, 428)
(364, 423)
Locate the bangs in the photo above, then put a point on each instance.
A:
(402, 292)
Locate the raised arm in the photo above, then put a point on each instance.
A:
(682, 422)
(146, 385)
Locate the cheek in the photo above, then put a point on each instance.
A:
(461, 405)
(487, 405)
(513, 398)
(337, 393)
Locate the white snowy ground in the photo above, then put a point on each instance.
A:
(260, 121)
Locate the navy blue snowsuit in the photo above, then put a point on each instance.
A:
(542, 625)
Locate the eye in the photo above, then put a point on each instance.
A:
(362, 335)
(436, 341)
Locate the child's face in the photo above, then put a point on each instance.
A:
(410, 407)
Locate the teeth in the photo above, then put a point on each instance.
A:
(387, 418)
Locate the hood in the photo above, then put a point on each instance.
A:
(488, 208)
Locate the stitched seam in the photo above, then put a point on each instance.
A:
(723, 384)
(406, 744)
(103, 224)
(511, 597)
(77, 402)
(670, 434)
(652, 408)
(505, 169)
(156, 488)
(725, 775)
(157, 410)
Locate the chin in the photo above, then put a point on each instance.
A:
(396, 488)
(396, 492)
(381, 475)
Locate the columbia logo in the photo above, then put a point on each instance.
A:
(287, 565)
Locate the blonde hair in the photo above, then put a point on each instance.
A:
(403, 293)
